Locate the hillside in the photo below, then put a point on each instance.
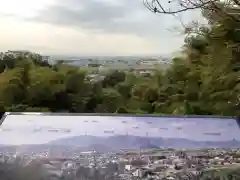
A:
(203, 79)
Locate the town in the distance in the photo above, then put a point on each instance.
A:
(74, 164)
(98, 65)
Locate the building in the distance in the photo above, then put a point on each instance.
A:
(45, 58)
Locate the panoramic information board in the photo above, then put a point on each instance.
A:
(65, 146)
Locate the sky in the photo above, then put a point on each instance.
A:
(33, 129)
(89, 27)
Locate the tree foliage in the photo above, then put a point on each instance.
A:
(203, 80)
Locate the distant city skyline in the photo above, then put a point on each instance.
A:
(31, 129)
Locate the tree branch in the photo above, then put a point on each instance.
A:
(213, 6)
(156, 7)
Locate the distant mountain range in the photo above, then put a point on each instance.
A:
(135, 142)
(115, 143)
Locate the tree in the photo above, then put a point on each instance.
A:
(113, 78)
(203, 80)
(210, 8)
(111, 100)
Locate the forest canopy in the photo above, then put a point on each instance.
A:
(203, 80)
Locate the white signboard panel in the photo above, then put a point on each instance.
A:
(112, 147)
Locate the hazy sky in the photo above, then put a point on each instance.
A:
(23, 128)
(88, 27)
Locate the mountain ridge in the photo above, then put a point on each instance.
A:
(116, 143)
(133, 142)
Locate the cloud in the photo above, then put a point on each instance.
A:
(105, 16)
(99, 27)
